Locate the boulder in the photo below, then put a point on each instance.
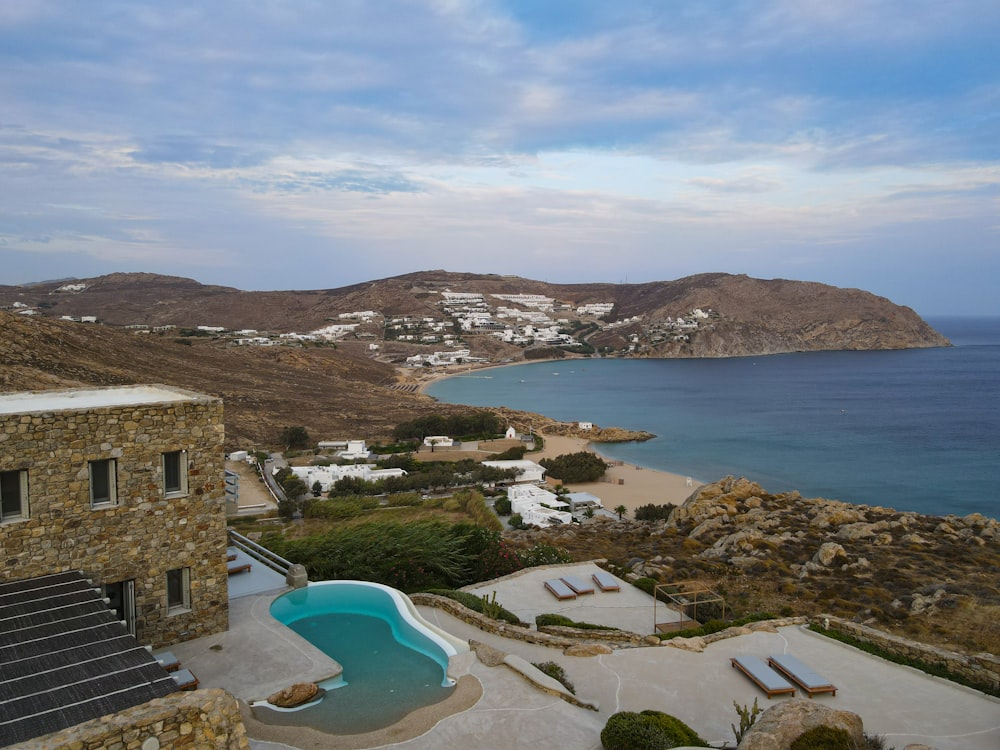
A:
(488, 655)
(294, 695)
(827, 553)
(780, 725)
(695, 643)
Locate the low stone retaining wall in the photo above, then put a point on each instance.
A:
(489, 625)
(195, 719)
(590, 634)
(981, 669)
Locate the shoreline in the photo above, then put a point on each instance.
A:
(631, 485)
(625, 484)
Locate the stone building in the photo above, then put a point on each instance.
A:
(126, 485)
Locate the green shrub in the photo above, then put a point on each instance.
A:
(557, 673)
(714, 626)
(653, 512)
(627, 730)
(565, 622)
(542, 554)
(475, 603)
(582, 466)
(676, 730)
(340, 508)
(502, 506)
(823, 738)
(648, 730)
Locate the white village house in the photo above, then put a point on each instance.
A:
(328, 475)
(527, 471)
(537, 506)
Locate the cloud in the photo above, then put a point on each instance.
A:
(583, 138)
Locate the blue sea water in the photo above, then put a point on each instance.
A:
(913, 430)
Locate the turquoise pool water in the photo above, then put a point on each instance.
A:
(392, 665)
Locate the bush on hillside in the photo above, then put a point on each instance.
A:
(653, 512)
(542, 553)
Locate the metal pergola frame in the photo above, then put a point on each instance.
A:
(684, 595)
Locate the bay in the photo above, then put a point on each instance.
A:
(915, 430)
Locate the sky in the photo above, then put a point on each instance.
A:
(312, 144)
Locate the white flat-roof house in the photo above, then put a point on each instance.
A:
(328, 475)
(438, 441)
(527, 471)
(538, 506)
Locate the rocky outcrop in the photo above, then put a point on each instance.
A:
(779, 726)
(294, 695)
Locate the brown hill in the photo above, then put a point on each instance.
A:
(750, 316)
(332, 392)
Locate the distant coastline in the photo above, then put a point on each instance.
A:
(916, 430)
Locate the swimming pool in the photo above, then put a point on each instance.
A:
(394, 661)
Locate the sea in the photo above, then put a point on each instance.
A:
(914, 430)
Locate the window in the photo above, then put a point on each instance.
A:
(13, 495)
(178, 590)
(103, 490)
(175, 473)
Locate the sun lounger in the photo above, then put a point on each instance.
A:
(240, 569)
(762, 675)
(578, 585)
(605, 581)
(559, 590)
(801, 675)
(168, 661)
(185, 679)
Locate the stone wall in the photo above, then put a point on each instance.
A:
(488, 624)
(144, 533)
(197, 719)
(980, 669)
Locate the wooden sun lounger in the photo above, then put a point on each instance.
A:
(578, 585)
(240, 569)
(763, 676)
(185, 679)
(559, 590)
(605, 581)
(810, 681)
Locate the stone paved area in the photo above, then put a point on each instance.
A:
(904, 705)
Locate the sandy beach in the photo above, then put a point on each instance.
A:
(623, 484)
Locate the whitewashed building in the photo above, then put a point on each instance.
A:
(538, 506)
(527, 471)
(327, 476)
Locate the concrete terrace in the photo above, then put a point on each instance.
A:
(258, 656)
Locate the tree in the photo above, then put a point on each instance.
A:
(583, 466)
(295, 437)
(621, 510)
(317, 488)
